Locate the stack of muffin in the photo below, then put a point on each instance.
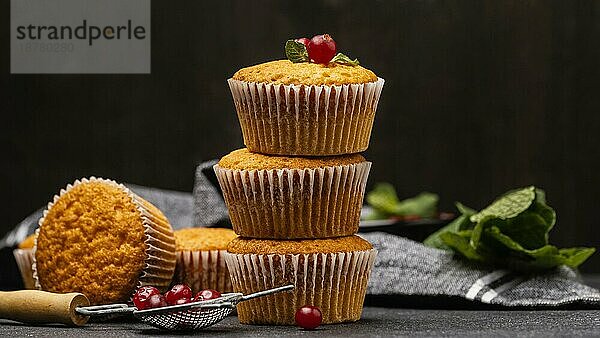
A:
(295, 194)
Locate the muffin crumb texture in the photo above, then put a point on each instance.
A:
(305, 246)
(305, 73)
(200, 238)
(92, 241)
(242, 159)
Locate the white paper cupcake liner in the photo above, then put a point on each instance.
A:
(203, 270)
(24, 258)
(295, 203)
(306, 120)
(334, 282)
(159, 265)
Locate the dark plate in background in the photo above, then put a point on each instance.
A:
(417, 229)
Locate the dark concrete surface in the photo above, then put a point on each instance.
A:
(375, 322)
(380, 322)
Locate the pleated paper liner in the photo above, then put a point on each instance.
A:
(24, 258)
(306, 120)
(334, 282)
(295, 203)
(159, 264)
(203, 269)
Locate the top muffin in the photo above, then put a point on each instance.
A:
(315, 103)
(305, 73)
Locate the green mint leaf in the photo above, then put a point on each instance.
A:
(511, 254)
(544, 258)
(435, 241)
(528, 229)
(509, 205)
(540, 207)
(423, 205)
(576, 256)
(462, 222)
(383, 198)
(545, 212)
(540, 195)
(548, 256)
(344, 60)
(459, 242)
(511, 232)
(375, 214)
(463, 209)
(487, 222)
(296, 51)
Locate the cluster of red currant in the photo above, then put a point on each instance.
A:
(321, 48)
(148, 297)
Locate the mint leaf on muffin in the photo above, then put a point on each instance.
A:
(296, 51)
(344, 60)
(320, 49)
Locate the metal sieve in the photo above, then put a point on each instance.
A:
(190, 316)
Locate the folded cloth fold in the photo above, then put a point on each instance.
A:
(403, 267)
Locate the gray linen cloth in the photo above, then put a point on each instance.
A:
(403, 267)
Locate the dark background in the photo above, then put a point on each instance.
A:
(480, 97)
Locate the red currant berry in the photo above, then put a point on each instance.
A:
(156, 301)
(207, 294)
(140, 299)
(177, 292)
(321, 48)
(182, 301)
(303, 41)
(308, 317)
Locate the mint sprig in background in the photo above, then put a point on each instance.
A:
(385, 203)
(512, 232)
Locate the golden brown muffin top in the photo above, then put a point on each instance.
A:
(242, 159)
(28, 242)
(92, 241)
(305, 73)
(203, 238)
(304, 246)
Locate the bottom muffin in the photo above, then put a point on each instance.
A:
(331, 274)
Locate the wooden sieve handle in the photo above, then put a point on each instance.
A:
(41, 307)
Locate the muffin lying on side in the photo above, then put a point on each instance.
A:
(99, 238)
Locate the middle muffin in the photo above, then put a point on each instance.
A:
(284, 197)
